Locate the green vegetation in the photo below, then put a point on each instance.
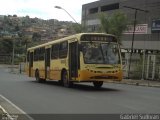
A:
(78, 28)
(114, 24)
(26, 32)
(6, 46)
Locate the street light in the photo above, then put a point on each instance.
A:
(58, 7)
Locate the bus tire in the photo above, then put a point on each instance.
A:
(38, 79)
(65, 80)
(98, 84)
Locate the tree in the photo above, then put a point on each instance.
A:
(26, 22)
(78, 28)
(36, 36)
(14, 15)
(16, 29)
(6, 46)
(114, 24)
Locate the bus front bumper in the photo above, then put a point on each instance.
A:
(86, 75)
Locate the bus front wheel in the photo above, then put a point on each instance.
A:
(98, 84)
(65, 79)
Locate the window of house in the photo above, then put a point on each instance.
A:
(110, 7)
(93, 10)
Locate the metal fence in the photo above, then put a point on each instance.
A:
(142, 66)
(5, 59)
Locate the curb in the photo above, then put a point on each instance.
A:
(147, 84)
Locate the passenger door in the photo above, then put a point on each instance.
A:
(47, 63)
(73, 60)
(30, 63)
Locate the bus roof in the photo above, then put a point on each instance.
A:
(63, 39)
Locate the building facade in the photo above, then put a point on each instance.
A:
(146, 42)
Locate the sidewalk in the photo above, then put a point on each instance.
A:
(148, 83)
(3, 114)
(12, 69)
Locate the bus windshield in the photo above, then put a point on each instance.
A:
(100, 53)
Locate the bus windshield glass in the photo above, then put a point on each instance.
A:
(100, 53)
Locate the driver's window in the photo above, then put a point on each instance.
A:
(111, 54)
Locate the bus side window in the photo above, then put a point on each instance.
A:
(63, 49)
(41, 53)
(55, 51)
(36, 55)
(28, 56)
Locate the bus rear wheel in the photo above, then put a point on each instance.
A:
(98, 84)
(38, 79)
(65, 80)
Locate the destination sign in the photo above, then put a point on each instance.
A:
(102, 38)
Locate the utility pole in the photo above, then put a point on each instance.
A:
(13, 51)
(133, 35)
(14, 36)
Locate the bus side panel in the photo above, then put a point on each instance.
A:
(42, 69)
(39, 65)
(55, 72)
(32, 73)
(26, 68)
(42, 73)
(56, 68)
(30, 70)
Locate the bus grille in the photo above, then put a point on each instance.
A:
(104, 77)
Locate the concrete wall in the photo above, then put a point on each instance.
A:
(141, 41)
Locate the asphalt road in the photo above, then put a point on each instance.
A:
(49, 97)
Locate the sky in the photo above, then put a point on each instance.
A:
(44, 9)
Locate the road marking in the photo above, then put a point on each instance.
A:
(16, 107)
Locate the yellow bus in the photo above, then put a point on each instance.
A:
(84, 57)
